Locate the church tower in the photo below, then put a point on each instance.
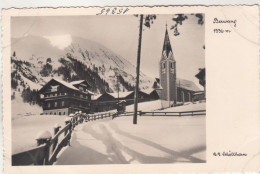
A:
(168, 72)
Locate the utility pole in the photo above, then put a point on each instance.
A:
(138, 70)
(117, 89)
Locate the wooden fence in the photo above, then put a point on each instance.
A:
(48, 147)
(155, 113)
(176, 114)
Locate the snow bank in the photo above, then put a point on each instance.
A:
(43, 135)
(187, 107)
(25, 129)
(146, 106)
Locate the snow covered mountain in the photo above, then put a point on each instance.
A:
(35, 60)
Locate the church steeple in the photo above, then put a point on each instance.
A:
(168, 72)
(167, 45)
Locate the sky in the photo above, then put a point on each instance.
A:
(120, 34)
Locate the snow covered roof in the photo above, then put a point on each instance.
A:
(77, 82)
(121, 94)
(198, 93)
(90, 92)
(186, 84)
(148, 91)
(69, 85)
(95, 97)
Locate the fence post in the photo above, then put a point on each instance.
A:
(56, 130)
(191, 113)
(44, 137)
(67, 121)
(179, 114)
(71, 119)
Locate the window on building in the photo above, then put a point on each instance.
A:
(183, 96)
(189, 96)
(62, 103)
(55, 104)
(54, 88)
(81, 88)
(64, 113)
(172, 65)
(49, 105)
(81, 96)
(163, 65)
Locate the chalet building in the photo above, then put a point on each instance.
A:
(103, 102)
(62, 98)
(152, 94)
(107, 101)
(173, 89)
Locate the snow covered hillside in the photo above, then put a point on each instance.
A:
(20, 108)
(41, 61)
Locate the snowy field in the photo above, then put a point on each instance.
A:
(157, 105)
(147, 106)
(187, 107)
(26, 128)
(152, 140)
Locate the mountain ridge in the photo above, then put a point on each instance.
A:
(47, 61)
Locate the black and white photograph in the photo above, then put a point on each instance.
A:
(108, 89)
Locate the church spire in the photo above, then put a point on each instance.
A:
(167, 45)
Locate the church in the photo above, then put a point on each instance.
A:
(173, 90)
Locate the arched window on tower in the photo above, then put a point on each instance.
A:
(172, 67)
(163, 65)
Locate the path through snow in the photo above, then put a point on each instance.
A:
(152, 140)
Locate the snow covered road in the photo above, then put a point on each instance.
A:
(152, 140)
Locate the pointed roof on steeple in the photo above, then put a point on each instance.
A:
(167, 45)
